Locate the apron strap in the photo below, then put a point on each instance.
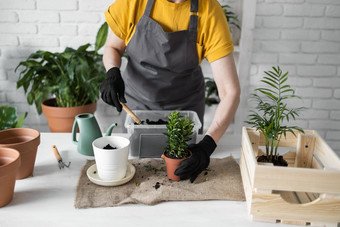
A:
(193, 19)
(148, 7)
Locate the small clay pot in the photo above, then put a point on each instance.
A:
(9, 165)
(171, 166)
(26, 141)
(60, 119)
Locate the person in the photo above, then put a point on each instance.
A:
(165, 42)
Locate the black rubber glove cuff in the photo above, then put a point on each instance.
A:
(208, 144)
(112, 72)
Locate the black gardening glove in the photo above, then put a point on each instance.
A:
(112, 89)
(199, 160)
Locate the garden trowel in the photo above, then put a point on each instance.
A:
(128, 111)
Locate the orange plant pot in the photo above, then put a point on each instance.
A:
(171, 166)
(26, 141)
(60, 119)
(9, 165)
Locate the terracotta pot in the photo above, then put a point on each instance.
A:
(9, 165)
(171, 166)
(26, 141)
(60, 119)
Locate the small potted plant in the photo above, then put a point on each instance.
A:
(271, 111)
(179, 130)
(9, 118)
(72, 78)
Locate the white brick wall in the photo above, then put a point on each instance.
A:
(30, 25)
(303, 37)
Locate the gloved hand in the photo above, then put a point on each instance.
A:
(199, 160)
(112, 89)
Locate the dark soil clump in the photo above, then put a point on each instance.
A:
(149, 122)
(277, 162)
(109, 147)
(157, 185)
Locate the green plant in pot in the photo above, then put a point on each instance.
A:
(72, 78)
(179, 130)
(232, 18)
(9, 118)
(211, 92)
(271, 112)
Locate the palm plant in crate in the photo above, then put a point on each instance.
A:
(272, 110)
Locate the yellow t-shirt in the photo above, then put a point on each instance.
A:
(213, 35)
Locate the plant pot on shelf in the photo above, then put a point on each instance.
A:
(306, 192)
(171, 165)
(9, 165)
(26, 141)
(60, 119)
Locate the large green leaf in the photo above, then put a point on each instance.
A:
(8, 118)
(101, 36)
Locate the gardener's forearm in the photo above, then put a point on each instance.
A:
(111, 58)
(113, 51)
(228, 86)
(224, 115)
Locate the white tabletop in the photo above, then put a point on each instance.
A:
(47, 198)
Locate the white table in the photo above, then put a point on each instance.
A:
(47, 198)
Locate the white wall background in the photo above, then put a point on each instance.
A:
(302, 36)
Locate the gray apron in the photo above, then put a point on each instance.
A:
(163, 71)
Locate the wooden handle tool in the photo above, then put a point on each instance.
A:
(61, 164)
(133, 116)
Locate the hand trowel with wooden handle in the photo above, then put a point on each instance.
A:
(132, 115)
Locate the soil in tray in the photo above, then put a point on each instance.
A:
(277, 162)
(148, 122)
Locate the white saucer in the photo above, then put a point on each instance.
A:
(93, 176)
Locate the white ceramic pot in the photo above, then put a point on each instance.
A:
(111, 163)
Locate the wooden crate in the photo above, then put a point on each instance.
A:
(307, 192)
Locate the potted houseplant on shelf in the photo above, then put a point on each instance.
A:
(71, 78)
(233, 22)
(271, 111)
(9, 118)
(306, 191)
(211, 92)
(179, 130)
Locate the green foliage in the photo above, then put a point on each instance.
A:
(272, 110)
(72, 76)
(9, 118)
(231, 17)
(211, 92)
(179, 131)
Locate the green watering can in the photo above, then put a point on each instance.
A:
(88, 131)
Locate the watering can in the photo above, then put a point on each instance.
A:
(88, 131)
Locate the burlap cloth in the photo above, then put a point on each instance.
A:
(150, 185)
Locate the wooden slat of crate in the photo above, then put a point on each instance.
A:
(272, 207)
(325, 154)
(246, 180)
(296, 179)
(250, 158)
(304, 150)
